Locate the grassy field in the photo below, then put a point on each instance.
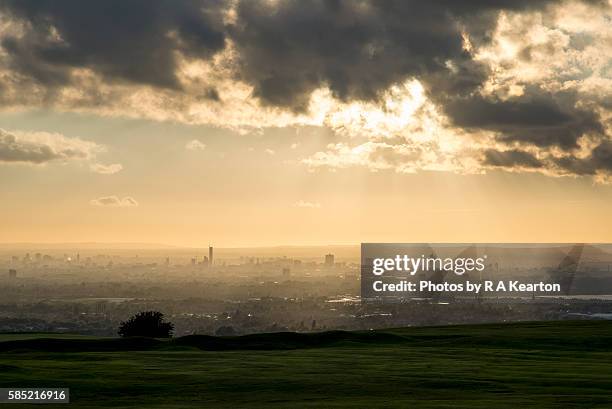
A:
(541, 365)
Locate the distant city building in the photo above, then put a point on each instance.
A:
(12, 273)
(329, 260)
(101, 307)
(286, 272)
(194, 261)
(205, 261)
(167, 261)
(210, 256)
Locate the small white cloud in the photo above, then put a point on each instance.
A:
(195, 145)
(114, 201)
(106, 169)
(270, 151)
(308, 205)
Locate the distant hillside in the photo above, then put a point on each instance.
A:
(554, 334)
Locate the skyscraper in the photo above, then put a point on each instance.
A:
(329, 260)
(210, 256)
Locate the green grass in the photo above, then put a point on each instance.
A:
(16, 336)
(532, 365)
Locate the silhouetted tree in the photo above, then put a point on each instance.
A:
(146, 324)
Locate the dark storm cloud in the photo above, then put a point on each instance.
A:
(537, 118)
(131, 40)
(286, 49)
(600, 160)
(359, 48)
(511, 158)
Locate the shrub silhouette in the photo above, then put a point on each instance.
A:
(146, 324)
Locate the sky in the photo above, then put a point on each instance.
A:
(261, 123)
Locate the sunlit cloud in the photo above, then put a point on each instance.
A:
(114, 201)
(102, 169)
(307, 204)
(41, 148)
(44, 147)
(195, 145)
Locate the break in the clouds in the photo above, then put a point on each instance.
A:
(462, 86)
(114, 201)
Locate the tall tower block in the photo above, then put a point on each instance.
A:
(210, 256)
